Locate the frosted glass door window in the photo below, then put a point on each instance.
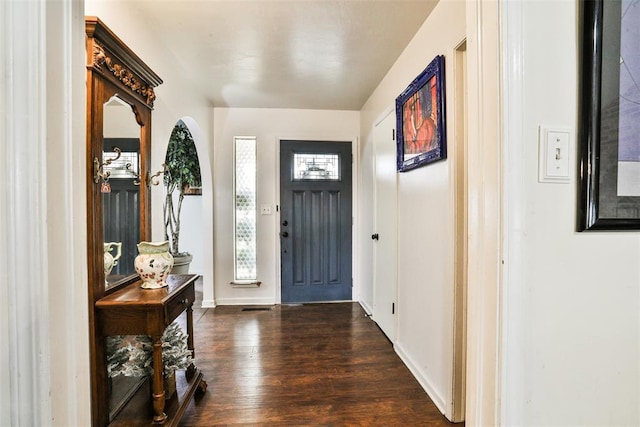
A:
(324, 167)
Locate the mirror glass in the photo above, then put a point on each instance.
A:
(121, 191)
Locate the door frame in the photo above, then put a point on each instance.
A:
(355, 198)
(460, 171)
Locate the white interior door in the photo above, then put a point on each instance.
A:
(385, 250)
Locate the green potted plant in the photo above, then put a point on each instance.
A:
(181, 172)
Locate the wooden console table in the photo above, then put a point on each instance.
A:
(136, 311)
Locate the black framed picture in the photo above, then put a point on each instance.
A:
(420, 122)
(609, 118)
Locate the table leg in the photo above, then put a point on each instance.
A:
(190, 329)
(158, 387)
(191, 369)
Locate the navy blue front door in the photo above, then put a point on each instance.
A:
(315, 221)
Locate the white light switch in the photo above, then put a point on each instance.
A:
(265, 209)
(554, 155)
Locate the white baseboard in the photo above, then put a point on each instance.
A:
(366, 308)
(209, 303)
(245, 301)
(424, 381)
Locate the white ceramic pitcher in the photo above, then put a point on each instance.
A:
(153, 264)
(111, 261)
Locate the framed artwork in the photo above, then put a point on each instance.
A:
(609, 118)
(420, 122)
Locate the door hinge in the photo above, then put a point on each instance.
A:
(393, 134)
(393, 308)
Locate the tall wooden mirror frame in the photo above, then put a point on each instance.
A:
(112, 69)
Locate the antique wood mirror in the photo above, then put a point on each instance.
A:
(120, 96)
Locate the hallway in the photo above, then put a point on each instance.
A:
(303, 365)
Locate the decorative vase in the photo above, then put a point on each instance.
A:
(153, 264)
(111, 261)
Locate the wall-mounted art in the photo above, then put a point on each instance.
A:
(420, 128)
(609, 120)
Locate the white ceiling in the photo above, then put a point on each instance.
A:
(308, 54)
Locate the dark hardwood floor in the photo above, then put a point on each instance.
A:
(302, 365)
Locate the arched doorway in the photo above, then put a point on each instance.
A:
(197, 221)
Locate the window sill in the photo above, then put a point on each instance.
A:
(248, 284)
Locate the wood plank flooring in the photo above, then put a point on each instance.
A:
(302, 365)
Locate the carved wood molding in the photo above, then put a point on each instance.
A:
(122, 73)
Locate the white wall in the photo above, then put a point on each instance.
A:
(572, 300)
(425, 216)
(268, 125)
(119, 121)
(191, 232)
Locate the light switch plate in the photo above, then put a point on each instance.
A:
(265, 209)
(555, 155)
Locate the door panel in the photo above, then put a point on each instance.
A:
(122, 222)
(315, 230)
(385, 247)
(297, 238)
(121, 209)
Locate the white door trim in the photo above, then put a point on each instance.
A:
(43, 288)
(484, 304)
(512, 398)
